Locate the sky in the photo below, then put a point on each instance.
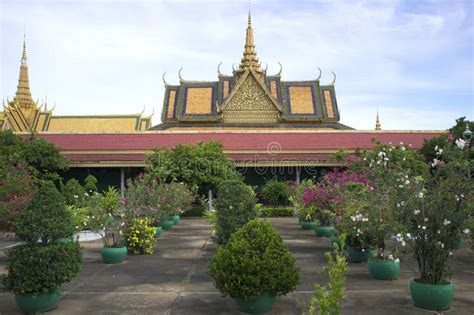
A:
(411, 60)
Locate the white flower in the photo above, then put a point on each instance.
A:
(426, 219)
(397, 260)
(401, 186)
(403, 243)
(403, 148)
(390, 257)
(407, 182)
(420, 195)
(450, 253)
(466, 231)
(76, 196)
(416, 212)
(442, 245)
(408, 235)
(423, 227)
(436, 148)
(435, 162)
(446, 222)
(460, 143)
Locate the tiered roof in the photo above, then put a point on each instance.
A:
(260, 99)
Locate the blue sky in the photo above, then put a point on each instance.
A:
(414, 60)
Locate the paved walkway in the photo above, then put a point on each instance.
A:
(174, 280)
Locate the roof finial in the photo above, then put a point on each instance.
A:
(23, 55)
(377, 121)
(334, 78)
(249, 58)
(319, 75)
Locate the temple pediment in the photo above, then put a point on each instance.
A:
(250, 102)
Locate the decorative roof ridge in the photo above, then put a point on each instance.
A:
(238, 86)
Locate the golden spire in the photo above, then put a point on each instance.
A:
(23, 97)
(249, 59)
(377, 122)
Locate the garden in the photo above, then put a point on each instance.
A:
(393, 219)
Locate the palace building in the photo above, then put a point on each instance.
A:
(267, 126)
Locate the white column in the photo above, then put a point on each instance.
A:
(210, 199)
(122, 182)
(298, 173)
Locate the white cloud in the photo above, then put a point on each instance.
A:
(96, 57)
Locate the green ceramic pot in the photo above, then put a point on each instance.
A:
(261, 305)
(308, 225)
(357, 255)
(432, 297)
(40, 302)
(324, 231)
(176, 219)
(113, 255)
(158, 230)
(384, 269)
(456, 244)
(167, 225)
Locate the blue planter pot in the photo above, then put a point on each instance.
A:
(176, 219)
(308, 225)
(357, 255)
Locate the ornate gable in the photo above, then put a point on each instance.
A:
(250, 102)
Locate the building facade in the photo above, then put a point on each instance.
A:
(268, 127)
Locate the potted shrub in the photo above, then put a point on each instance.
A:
(106, 219)
(389, 168)
(254, 267)
(296, 192)
(307, 217)
(235, 206)
(37, 268)
(435, 210)
(355, 223)
(318, 198)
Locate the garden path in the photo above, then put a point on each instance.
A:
(173, 280)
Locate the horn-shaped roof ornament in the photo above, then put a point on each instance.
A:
(266, 67)
(319, 75)
(179, 75)
(233, 67)
(164, 80)
(281, 69)
(219, 68)
(334, 78)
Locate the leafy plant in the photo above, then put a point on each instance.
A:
(254, 261)
(38, 268)
(211, 217)
(46, 217)
(435, 210)
(202, 167)
(140, 237)
(90, 184)
(80, 217)
(74, 193)
(235, 206)
(275, 192)
(277, 212)
(328, 298)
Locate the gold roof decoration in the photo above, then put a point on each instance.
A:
(249, 59)
(23, 100)
(25, 115)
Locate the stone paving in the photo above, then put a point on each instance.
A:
(174, 279)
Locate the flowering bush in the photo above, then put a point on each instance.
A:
(158, 202)
(355, 221)
(140, 237)
(435, 209)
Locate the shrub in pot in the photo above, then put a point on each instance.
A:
(235, 206)
(319, 198)
(254, 267)
(296, 192)
(437, 215)
(37, 269)
(307, 217)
